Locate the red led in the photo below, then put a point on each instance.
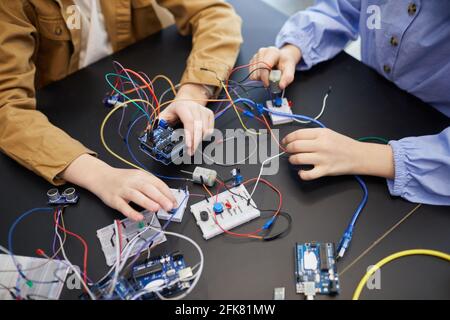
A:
(228, 205)
(290, 103)
(40, 252)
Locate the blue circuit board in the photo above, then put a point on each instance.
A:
(167, 270)
(315, 269)
(168, 273)
(161, 144)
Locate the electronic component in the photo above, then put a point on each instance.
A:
(203, 176)
(231, 209)
(110, 101)
(279, 293)
(161, 144)
(283, 107)
(167, 274)
(237, 177)
(315, 269)
(274, 82)
(69, 196)
(48, 277)
(130, 229)
(176, 214)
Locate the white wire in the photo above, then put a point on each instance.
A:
(127, 249)
(198, 274)
(324, 104)
(118, 254)
(236, 163)
(89, 292)
(262, 169)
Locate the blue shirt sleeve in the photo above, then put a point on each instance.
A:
(321, 31)
(422, 169)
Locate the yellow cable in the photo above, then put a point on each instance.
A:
(237, 112)
(161, 76)
(395, 256)
(102, 128)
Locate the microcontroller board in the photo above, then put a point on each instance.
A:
(162, 144)
(315, 269)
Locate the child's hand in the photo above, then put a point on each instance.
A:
(334, 154)
(284, 59)
(189, 108)
(118, 187)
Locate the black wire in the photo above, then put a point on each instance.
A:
(250, 73)
(282, 233)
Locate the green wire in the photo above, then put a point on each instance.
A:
(373, 138)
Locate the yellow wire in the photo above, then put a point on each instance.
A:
(237, 112)
(378, 265)
(161, 76)
(102, 128)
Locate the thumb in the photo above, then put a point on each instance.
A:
(287, 67)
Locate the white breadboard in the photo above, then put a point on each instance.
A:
(239, 211)
(130, 229)
(35, 269)
(182, 197)
(285, 108)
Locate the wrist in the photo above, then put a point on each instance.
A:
(86, 171)
(293, 51)
(375, 160)
(196, 92)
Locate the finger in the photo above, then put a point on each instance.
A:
(302, 134)
(142, 200)
(162, 187)
(252, 67)
(303, 158)
(188, 124)
(312, 174)
(206, 119)
(157, 196)
(287, 68)
(211, 123)
(128, 211)
(298, 146)
(198, 130)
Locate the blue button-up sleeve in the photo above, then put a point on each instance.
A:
(321, 31)
(422, 169)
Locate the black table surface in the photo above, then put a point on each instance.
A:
(362, 103)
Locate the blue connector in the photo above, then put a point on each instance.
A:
(260, 109)
(268, 223)
(163, 123)
(344, 243)
(111, 101)
(248, 114)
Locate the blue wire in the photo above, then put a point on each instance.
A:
(346, 238)
(10, 238)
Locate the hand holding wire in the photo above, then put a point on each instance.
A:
(284, 59)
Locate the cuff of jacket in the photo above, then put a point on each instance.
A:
(51, 174)
(397, 186)
(210, 74)
(302, 40)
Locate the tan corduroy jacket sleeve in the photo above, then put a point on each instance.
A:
(26, 135)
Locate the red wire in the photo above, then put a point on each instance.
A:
(85, 255)
(250, 234)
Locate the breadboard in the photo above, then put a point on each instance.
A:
(237, 211)
(182, 197)
(37, 270)
(284, 108)
(130, 229)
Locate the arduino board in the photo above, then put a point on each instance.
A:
(315, 269)
(162, 144)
